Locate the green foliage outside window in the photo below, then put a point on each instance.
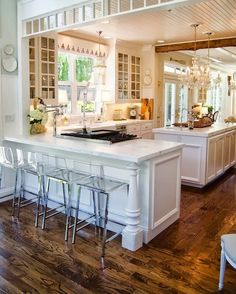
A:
(84, 68)
(89, 106)
(63, 68)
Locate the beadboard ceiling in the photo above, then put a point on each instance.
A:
(172, 25)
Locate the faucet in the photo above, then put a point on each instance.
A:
(56, 110)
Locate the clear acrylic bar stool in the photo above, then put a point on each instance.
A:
(8, 161)
(99, 185)
(28, 163)
(63, 175)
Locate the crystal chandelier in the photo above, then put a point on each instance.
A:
(99, 67)
(197, 76)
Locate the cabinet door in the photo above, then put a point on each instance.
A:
(123, 76)
(227, 145)
(133, 129)
(146, 135)
(233, 148)
(219, 157)
(128, 77)
(211, 160)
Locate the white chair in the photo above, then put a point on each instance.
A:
(228, 252)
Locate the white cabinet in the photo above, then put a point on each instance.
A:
(221, 154)
(141, 129)
(128, 76)
(43, 69)
(217, 161)
(204, 158)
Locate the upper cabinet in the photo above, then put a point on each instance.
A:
(128, 76)
(43, 69)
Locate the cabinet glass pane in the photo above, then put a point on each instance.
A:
(32, 80)
(44, 68)
(31, 42)
(44, 80)
(120, 57)
(51, 94)
(44, 55)
(51, 69)
(32, 92)
(133, 68)
(133, 59)
(125, 67)
(125, 58)
(31, 53)
(44, 43)
(51, 44)
(120, 67)
(32, 66)
(51, 81)
(51, 56)
(45, 93)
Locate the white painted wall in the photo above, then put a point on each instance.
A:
(8, 81)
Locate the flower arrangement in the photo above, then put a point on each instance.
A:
(37, 117)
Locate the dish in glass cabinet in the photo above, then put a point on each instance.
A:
(9, 63)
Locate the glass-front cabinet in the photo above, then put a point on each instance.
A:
(128, 77)
(43, 69)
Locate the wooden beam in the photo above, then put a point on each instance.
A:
(218, 43)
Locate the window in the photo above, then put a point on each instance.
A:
(215, 94)
(73, 72)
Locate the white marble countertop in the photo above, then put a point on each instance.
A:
(137, 150)
(211, 131)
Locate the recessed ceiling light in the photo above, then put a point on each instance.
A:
(160, 41)
(106, 37)
(105, 21)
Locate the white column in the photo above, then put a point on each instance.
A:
(132, 236)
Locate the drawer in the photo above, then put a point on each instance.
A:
(133, 128)
(146, 126)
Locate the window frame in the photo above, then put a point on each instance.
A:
(73, 83)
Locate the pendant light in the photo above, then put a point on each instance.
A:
(99, 67)
(196, 76)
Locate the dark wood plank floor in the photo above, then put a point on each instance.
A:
(183, 259)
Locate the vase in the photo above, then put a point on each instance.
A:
(37, 128)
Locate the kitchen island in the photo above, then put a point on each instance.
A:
(152, 169)
(208, 152)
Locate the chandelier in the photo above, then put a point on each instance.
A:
(197, 76)
(99, 67)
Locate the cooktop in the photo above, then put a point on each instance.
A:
(102, 135)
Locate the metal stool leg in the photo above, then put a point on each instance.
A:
(45, 203)
(21, 195)
(76, 214)
(40, 195)
(17, 177)
(104, 237)
(68, 213)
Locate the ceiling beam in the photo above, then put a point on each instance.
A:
(217, 43)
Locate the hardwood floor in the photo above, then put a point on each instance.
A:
(182, 259)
